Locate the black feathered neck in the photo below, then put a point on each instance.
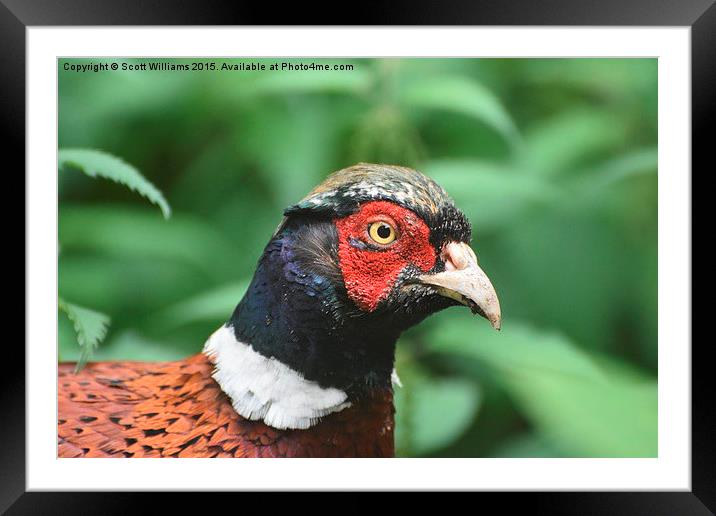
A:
(297, 311)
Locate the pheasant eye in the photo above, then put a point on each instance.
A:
(381, 232)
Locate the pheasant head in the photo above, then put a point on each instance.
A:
(370, 252)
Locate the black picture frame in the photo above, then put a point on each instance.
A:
(17, 15)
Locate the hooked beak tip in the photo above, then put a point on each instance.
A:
(493, 316)
(464, 281)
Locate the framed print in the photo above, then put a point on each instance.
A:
(299, 242)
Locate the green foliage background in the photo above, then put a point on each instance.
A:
(554, 161)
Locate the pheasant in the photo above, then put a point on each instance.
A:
(305, 364)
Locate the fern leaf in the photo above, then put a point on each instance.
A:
(90, 326)
(96, 163)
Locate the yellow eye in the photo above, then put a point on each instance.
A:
(381, 232)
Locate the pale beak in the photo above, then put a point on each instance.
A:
(464, 281)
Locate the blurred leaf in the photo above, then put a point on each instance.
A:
(130, 345)
(90, 326)
(492, 195)
(635, 163)
(527, 446)
(588, 411)
(129, 288)
(432, 412)
(609, 79)
(67, 348)
(312, 81)
(442, 411)
(645, 306)
(91, 101)
(572, 138)
(384, 136)
(123, 231)
(455, 137)
(96, 163)
(565, 268)
(618, 368)
(617, 418)
(518, 347)
(460, 95)
(214, 305)
(291, 146)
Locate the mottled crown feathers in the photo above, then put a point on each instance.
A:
(343, 191)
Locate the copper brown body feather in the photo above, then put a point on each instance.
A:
(176, 409)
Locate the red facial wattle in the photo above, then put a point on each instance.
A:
(370, 271)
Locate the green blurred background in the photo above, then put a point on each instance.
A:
(553, 160)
